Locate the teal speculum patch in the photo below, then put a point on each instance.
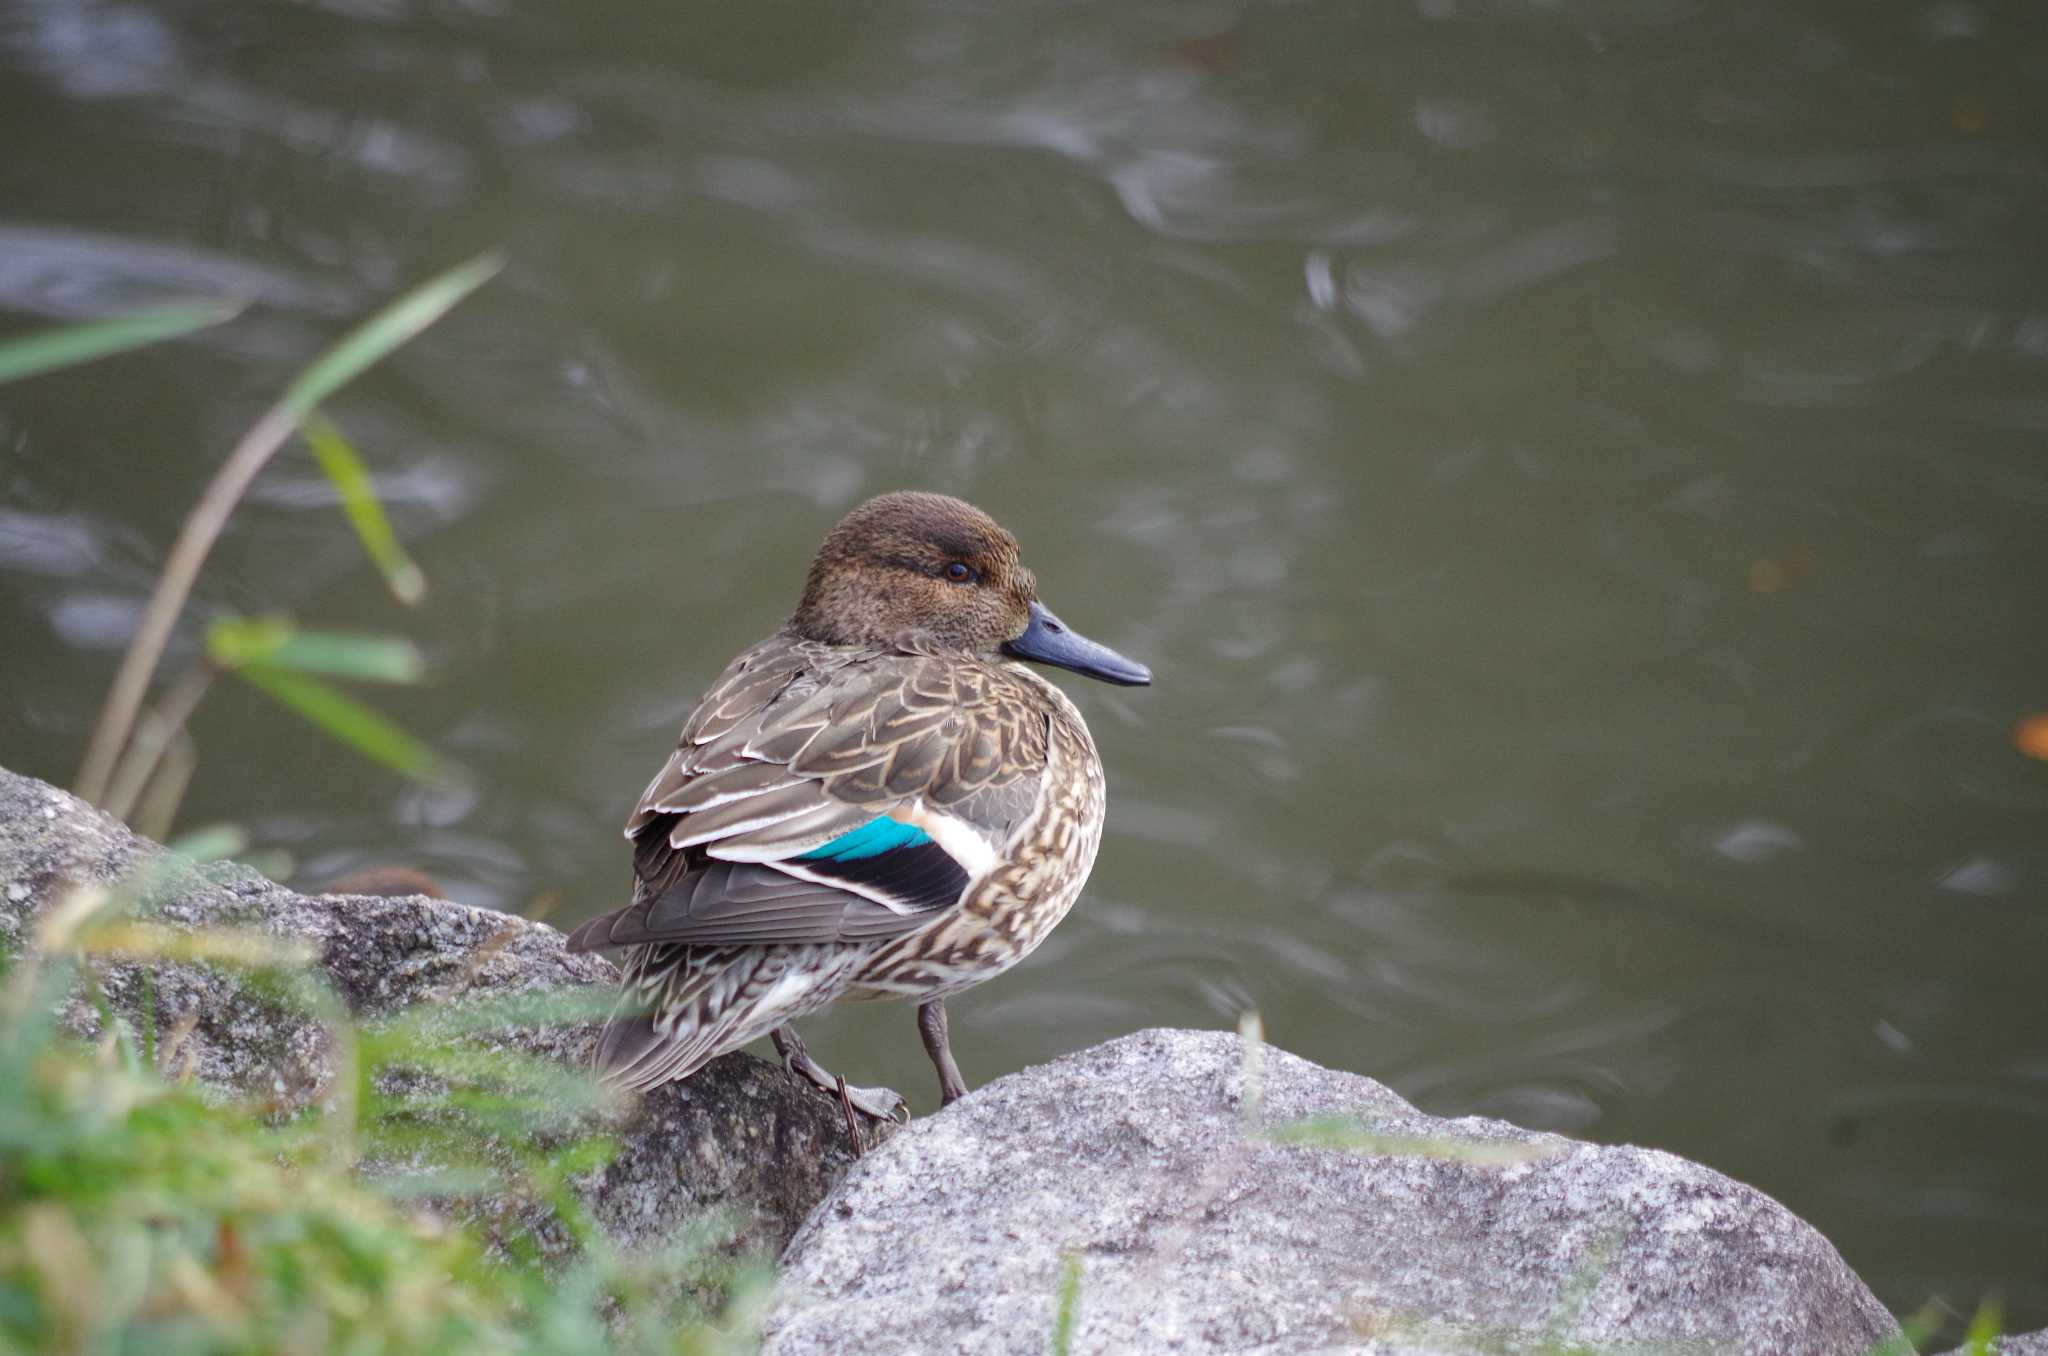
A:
(879, 835)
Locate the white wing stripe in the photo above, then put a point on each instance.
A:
(682, 838)
(961, 841)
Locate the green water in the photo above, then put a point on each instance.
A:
(1576, 468)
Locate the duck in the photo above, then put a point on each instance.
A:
(881, 800)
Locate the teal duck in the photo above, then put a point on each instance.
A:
(877, 801)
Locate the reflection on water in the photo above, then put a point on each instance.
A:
(1575, 469)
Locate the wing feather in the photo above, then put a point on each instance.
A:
(738, 904)
(791, 837)
(757, 811)
(719, 787)
(780, 744)
(798, 744)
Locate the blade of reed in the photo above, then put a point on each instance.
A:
(357, 350)
(351, 480)
(370, 342)
(32, 355)
(348, 720)
(232, 642)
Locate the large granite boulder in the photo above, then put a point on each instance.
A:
(1217, 1196)
(2019, 1344)
(741, 1137)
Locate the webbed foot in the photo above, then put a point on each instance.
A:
(884, 1104)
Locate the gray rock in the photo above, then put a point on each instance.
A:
(1161, 1163)
(741, 1137)
(2018, 1344)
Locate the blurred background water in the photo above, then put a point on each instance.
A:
(1577, 468)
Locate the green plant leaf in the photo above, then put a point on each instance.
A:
(211, 843)
(376, 659)
(369, 342)
(1984, 1328)
(1066, 1304)
(351, 480)
(234, 642)
(349, 721)
(33, 354)
(144, 1215)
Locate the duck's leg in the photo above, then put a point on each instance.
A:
(881, 1103)
(931, 1024)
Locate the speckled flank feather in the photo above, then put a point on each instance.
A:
(852, 817)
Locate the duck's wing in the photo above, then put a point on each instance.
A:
(817, 796)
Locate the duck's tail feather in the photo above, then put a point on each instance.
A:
(682, 1007)
(633, 1053)
(636, 1052)
(662, 1029)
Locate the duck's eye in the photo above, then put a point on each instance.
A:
(960, 573)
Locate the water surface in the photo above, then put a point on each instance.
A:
(1576, 468)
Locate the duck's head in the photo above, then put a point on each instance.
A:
(912, 561)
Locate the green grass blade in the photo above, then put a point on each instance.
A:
(376, 659)
(1066, 1305)
(351, 480)
(1984, 1329)
(211, 843)
(233, 642)
(34, 354)
(1916, 1330)
(348, 720)
(374, 339)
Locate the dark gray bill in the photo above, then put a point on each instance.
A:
(1048, 641)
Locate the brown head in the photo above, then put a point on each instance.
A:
(912, 561)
